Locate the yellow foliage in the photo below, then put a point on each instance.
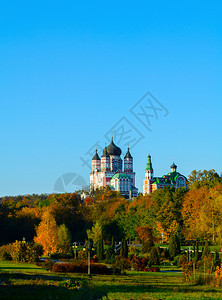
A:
(46, 233)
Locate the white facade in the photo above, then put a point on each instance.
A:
(108, 171)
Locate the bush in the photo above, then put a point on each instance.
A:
(139, 264)
(72, 284)
(176, 260)
(152, 269)
(82, 267)
(182, 260)
(48, 264)
(21, 252)
(5, 253)
(122, 263)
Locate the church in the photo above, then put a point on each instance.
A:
(172, 179)
(108, 170)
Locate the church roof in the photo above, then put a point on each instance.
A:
(105, 153)
(170, 178)
(120, 175)
(128, 155)
(112, 149)
(96, 156)
(149, 164)
(173, 165)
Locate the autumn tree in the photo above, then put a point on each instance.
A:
(47, 233)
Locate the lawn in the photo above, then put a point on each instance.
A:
(27, 281)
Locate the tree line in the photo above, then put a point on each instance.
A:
(56, 220)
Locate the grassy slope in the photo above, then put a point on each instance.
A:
(32, 282)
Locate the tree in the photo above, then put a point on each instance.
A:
(124, 248)
(47, 233)
(95, 233)
(154, 256)
(99, 249)
(174, 246)
(64, 239)
(206, 250)
(110, 253)
(201, 178)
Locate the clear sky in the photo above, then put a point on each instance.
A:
(72, 73)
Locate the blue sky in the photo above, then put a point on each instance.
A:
(70, 71)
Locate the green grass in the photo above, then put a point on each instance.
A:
(27, 281)
(9, 266)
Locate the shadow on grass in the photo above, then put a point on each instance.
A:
(25, 286)
(36, 292)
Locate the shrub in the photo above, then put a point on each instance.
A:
(182, 260)
(81, 267)
(48, 264)
(138, 263)
(122, 263)
(5, 253)
(21, 252)
(71, 284)
(152, 269)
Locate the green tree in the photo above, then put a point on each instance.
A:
(154, 256)
(174, 246)
(110, 254)
(99, 249)
(64, 239)
(124, 248)
(96, 232)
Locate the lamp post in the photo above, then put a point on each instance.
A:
(74, 245)
(89, 248)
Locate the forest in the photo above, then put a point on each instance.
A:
(195, 214)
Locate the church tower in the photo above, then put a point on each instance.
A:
(149, 168)
(115, 159)
(105, 161)
(128, 162)
(96, 162)
(147, 187)
(173, 167)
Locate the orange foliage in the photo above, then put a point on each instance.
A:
(46, 233)
(144, 233)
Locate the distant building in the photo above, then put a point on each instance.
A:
(107, 170)
(152, 183)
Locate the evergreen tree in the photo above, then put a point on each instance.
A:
(147, 245)
(196, 257)
(154, 256)
(174, 246)
(110, 254)
(99, 249)
(124, 248)
(206, 250)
